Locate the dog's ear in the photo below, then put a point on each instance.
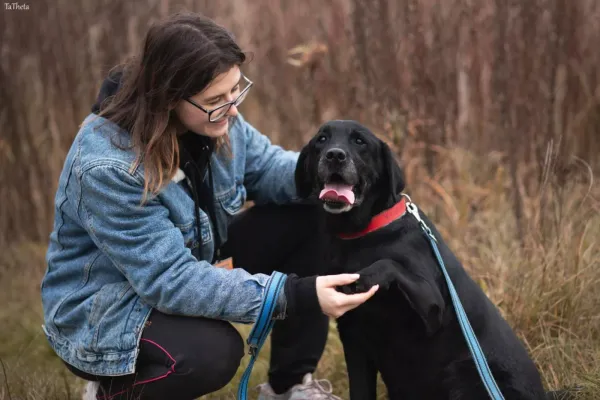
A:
(393, 174)
(302, 175)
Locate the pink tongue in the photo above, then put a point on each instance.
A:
(337, 192)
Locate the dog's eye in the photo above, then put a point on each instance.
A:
(321, 138)
(359, 141)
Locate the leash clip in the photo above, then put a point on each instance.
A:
(253, 350)
(414, 211)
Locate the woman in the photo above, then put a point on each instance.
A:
(144, 209)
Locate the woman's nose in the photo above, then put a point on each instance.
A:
(233, 111)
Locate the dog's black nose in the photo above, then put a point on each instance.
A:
(335, 154)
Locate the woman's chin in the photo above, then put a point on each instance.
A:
(216, 130)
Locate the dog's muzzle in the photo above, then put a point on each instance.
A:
(338, 174)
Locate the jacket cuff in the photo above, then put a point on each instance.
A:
(301, 296)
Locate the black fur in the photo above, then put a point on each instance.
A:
(408, 331)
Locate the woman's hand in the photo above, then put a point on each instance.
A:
(334, 303)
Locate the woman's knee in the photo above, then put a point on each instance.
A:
(222, 358)
(206, 355)
(229, 355)
(263, 238)
(202, 353)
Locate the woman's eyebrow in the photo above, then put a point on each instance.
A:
(216, 97)
(211, 99)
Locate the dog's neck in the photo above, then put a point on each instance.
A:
(380, 220)
(357, 219)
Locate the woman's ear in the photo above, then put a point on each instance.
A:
(303, 176)
(392, 172)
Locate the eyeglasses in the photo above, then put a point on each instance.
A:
(221, 111)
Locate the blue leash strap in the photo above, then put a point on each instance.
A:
(474, 347)
(262, 327)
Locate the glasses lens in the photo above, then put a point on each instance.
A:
(219, 113)
(241, 98)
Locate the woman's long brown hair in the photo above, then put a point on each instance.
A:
(180, 57)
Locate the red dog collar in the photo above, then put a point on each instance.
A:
(380, 220)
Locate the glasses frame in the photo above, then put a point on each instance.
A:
(228, 104)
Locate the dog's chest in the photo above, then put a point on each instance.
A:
(385, 310)
(350, 256)
(388, 315)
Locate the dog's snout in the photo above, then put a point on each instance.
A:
(336, 154)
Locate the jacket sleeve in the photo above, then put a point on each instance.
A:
(148, 249)
(269, 169)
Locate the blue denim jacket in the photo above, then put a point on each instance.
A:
(111, 260)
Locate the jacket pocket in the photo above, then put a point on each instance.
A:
(108, 295)
(188, 230)
(233, 202)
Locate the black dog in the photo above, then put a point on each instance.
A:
(408, 331)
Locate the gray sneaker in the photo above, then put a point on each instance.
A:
(90, 391)
(267, 393)
(309, 389)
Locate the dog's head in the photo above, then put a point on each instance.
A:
(351, 171)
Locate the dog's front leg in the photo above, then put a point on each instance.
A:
(362, 372)
(382, 272)
(417, 284)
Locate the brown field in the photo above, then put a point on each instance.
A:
(493, 107)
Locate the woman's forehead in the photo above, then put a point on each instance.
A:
(223, 83)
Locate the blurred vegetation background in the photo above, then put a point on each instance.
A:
(493, 107)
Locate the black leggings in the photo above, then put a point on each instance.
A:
(183, 358)
(179, 358)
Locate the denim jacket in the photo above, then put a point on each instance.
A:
(110, 260)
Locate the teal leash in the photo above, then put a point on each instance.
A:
(262, 327)
(480, 362)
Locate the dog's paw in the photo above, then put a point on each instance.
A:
(368, 280)
(380, 273)
(354, 287)
(346, 289)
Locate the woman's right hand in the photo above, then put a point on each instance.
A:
(334, 303)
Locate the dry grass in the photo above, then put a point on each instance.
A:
(493, 106)
(547, 288)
